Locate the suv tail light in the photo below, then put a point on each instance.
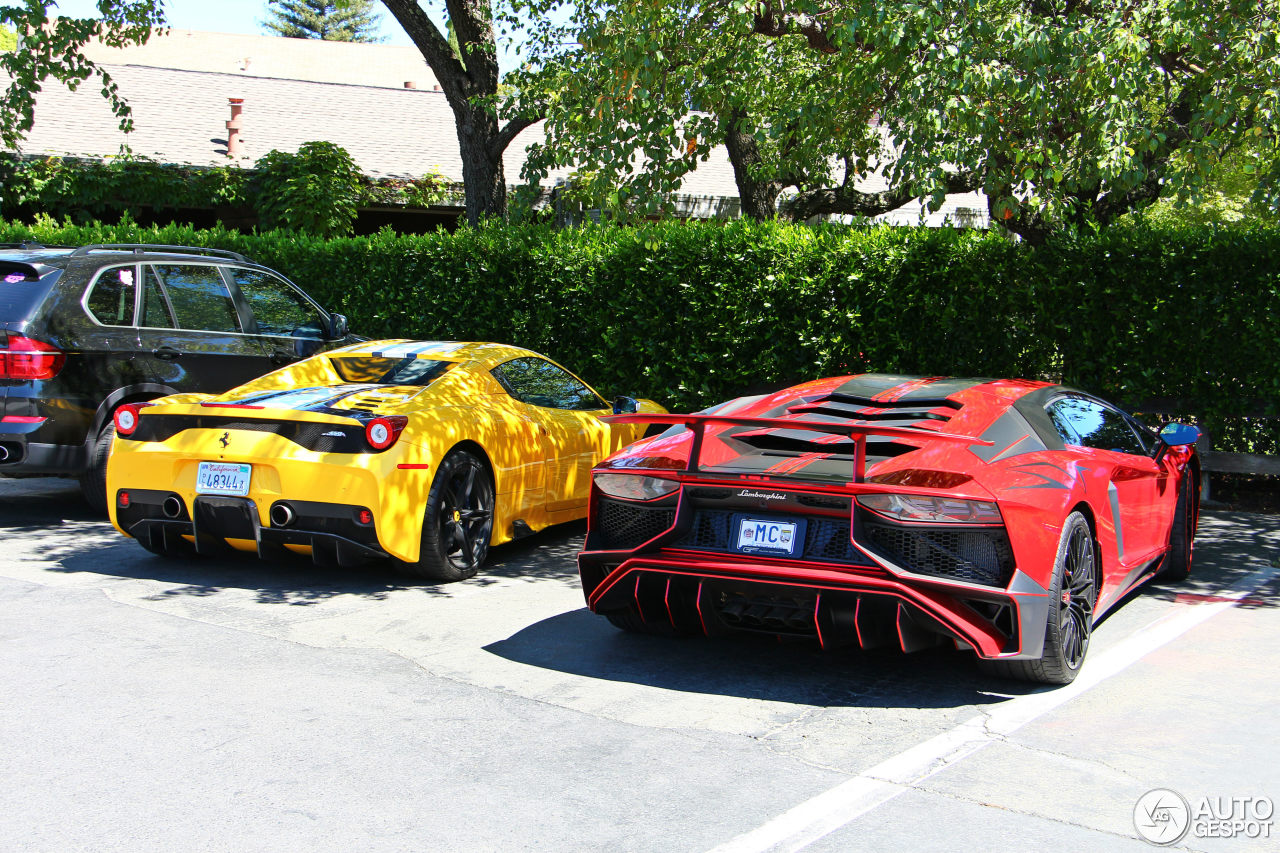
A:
(26, 358)
(126, 418)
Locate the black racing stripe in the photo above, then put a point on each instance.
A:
(870, 384)
(941, 389)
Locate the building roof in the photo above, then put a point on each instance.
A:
(180, 116)
(272, 56)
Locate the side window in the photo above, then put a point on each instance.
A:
(541, 383)
(111, 300)
(1096, 425)
(199, 297)
(278, 308)
(155, 305)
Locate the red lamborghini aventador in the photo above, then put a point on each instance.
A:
(1002, 516)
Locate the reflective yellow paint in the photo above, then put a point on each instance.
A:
(541, 458)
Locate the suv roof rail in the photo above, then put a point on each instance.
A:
(139, 248)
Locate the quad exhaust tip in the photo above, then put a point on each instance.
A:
(4, 453)
(282, 515)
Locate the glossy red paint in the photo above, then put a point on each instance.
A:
(800, 456)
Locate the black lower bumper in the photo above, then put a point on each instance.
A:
(329, 530)
(19, 457)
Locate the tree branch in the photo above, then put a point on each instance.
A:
(433, 46)
(845, 199)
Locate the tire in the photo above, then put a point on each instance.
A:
(93, 482)
(457, 523)
(630, 621)
(1073, 592)
(1177, 561)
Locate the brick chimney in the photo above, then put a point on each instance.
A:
(409, 84)
(234, 146)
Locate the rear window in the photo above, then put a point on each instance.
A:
(22, 290)
(389, 371)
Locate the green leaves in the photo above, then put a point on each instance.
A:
(316, 190)
(52, 49)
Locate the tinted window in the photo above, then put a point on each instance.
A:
(389, 371)
(199, 297)
(155, 307)
(278, 308)
(541, 383)
(1096, 425)
(111, 300)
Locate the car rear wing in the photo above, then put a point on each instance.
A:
(698, 424)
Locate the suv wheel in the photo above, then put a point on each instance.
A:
(93, 483)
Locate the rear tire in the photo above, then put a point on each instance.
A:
(1177, 560)
(457, 522)
(93, 482)
(1073, 592)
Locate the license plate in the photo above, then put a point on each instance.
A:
(223, 478)
(765, 536)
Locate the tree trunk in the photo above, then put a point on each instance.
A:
(758, 198)
(482, 171)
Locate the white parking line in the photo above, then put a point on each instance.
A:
(801, 826)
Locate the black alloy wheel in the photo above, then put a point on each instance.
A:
(1078, 594)
(458, 522)
(1073, 595)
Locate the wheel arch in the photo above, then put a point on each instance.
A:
(128, 394)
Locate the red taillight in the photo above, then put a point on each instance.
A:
(126, 418)
(382, 432)
(26, 358)
(123, 499)
(365, 517)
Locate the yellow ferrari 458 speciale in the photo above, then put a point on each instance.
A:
(426, 453)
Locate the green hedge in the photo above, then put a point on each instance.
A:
(690, 314)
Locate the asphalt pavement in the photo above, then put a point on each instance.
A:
(238, 705)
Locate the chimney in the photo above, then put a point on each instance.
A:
(234, 148)
(409, 84)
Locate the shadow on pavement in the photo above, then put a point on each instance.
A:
(36, 506)
(755, 667)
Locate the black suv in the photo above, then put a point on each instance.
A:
(84, 329)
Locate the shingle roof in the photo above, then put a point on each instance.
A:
(389, 66)
(180, 117)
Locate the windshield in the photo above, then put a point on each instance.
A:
(377, 370)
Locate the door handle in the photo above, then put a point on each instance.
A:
(166, 353)
(280, 357)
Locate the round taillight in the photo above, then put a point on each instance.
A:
(123, 500)
(366, 517)
(126, 419)
(382, 432)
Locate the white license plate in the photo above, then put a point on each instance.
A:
(223, 478)
(775, 537)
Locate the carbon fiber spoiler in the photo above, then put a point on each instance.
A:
(698, 424)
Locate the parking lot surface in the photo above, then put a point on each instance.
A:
(233, 704)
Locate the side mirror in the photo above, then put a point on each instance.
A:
(625, 405)
(338, 326)
(1179, 435)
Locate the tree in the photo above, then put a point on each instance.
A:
(53, 48)
(656, 87)
(468, 76)
(354, 20)
(1065, 112)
